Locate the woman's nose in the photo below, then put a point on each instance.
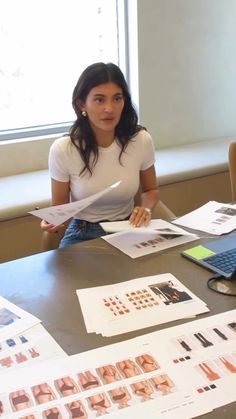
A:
(108, 107)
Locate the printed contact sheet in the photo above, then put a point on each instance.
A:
(213, 218)
(28, 348)
(136, 304)
(153, 375)
(13, 319)
(140, 241)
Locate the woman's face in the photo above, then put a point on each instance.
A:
(104, 105)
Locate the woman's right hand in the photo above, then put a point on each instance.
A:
(51, 228)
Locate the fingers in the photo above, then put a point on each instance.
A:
(45, 226)
(51, 228)
(140, 216)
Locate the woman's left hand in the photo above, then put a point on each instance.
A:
(140, 216)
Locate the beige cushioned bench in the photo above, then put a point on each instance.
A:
(23, 192)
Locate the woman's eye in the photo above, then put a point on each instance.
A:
(99, 100)
(118, 98)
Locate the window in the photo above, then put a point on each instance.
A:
(45, 45)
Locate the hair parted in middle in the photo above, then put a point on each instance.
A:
(81, 133)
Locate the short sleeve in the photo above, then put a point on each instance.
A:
(57, 162)
(148, 151)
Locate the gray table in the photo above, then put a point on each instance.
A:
(44, 284)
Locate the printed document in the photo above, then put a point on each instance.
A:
(178, 372)
(136, 304)
(213, 218)
(141, 241)
(28, 348)
(58, 214)
(13, 319)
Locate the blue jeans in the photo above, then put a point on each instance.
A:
(79, 231)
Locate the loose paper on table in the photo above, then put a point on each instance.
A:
(140, 241)
(183, 371)
(136, 304)
(213, 218)
(32, 346)
(13, 319)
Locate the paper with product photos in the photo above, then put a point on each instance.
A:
(13, 319)
(157, 225)
(213, 218)
(136, 304)
(28, 348)
(183, 371)
(136, 242)
(58, 214)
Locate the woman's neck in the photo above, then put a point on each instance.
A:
(104, 138)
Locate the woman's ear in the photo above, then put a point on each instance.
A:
(80, 104)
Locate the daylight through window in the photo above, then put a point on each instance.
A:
(45, 45)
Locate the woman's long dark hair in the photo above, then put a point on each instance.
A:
(81, 133)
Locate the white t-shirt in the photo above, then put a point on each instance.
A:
(65, 164)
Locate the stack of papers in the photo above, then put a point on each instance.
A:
(136, 304)
(140, 241)
(213, 218)
(23, 340)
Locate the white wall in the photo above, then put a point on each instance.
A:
(187, 69)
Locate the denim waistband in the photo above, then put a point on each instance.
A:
(102, 221)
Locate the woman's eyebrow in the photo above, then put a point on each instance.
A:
(102, 95)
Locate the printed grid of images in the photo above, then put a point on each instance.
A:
(12, 358)
(153, 295)
(102, 402)
(227, 214)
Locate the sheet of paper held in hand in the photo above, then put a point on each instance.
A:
(213, 217)
(58, 214)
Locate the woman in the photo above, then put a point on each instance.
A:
(128, 368)
(43, 393)
(88, 380)
(66, 386)
(143, 389)
(20, 400)
(99, 403)
(77, 410)
(120, 396)
(109, 374)
(147, 363)
(52, 413)
(105, 145)
(163, 383)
